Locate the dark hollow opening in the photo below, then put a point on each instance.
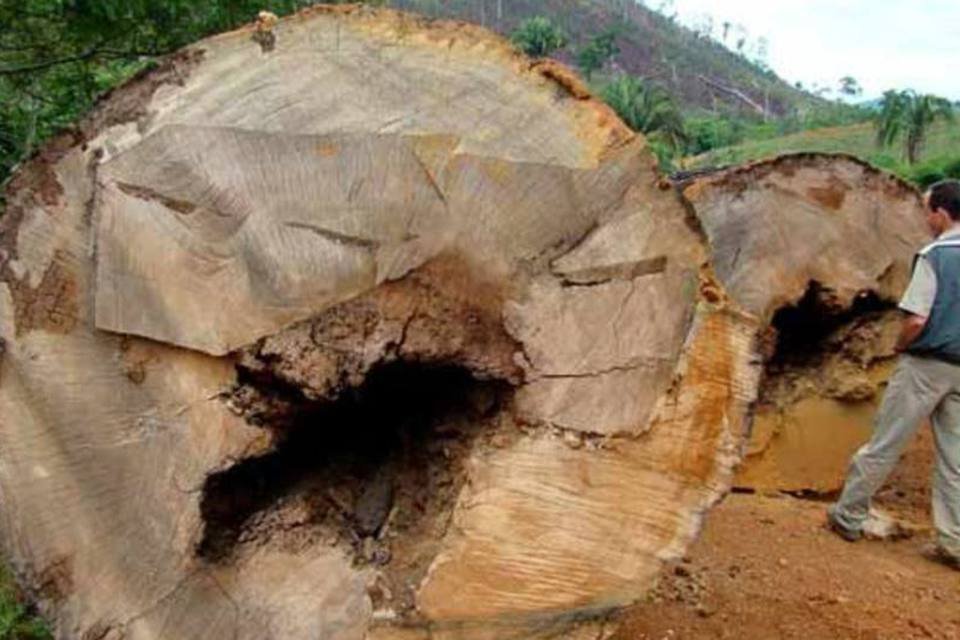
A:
(387, 453)
(803, 329)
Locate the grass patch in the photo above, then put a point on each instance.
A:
(941, 153)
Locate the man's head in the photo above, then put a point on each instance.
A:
(942, 202)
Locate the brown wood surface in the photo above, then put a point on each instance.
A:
(373, 189)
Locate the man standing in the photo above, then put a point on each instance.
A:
(925, 383)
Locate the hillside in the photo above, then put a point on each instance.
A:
(943, 145)
(701, 73)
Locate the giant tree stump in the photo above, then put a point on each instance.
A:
(820, 248)
(358, 326)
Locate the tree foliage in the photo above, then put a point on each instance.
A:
(538, 37)
(58, 56)
(597, 52)
(849, 86)
(908, 115)
(712, 132)
(649, 109)
(925, 173)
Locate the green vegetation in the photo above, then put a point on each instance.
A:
(925, 126)
(58, 56)
(941, 153)
(597, 52)
(17, 621)
(850, 87)
(908, 115)
(704, 74)
(538, 37)
(934, 170)
(648, 108)
(711, 131)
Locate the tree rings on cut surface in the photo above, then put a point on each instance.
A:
(385, 332)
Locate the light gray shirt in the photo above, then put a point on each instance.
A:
(920, 293)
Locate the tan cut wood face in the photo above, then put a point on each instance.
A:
(201, 289)
(210, 238)
(822, 246)
(775, 226)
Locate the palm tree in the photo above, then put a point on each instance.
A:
(538, 37)
(647, 108)
(909, 114)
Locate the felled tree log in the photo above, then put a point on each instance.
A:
(818, 247)
(358, 326)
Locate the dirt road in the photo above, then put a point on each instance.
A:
(765, 568)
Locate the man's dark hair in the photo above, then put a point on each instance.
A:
(946, 195)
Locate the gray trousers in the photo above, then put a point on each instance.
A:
(919, 387)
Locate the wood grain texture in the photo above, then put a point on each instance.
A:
(775, 226)
(832, 240)
(380, 189)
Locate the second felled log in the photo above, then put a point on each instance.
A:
(820, 247)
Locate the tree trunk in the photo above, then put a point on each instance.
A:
(365, 327)
(736, 93)
(914, 141)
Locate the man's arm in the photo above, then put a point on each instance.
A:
(917, 302)
(911, 327)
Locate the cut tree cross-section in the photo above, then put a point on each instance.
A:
(820, 248)
(380, 331)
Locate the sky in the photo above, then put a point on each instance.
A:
(884, 44)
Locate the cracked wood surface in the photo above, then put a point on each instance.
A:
(225, 205)
(774, 228)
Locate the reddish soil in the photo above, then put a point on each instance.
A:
(765, 568)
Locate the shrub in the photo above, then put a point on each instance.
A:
(538, 37)
(647, 108)
(952, 169)
(926, 174)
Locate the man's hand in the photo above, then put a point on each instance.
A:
(911, 328)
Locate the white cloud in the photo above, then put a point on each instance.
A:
(884, 44)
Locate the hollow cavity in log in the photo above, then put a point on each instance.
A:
(821, 384)
(376, 471)
(806, 331)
